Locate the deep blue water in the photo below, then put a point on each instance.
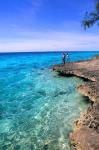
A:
(37, 107)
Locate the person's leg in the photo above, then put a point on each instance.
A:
(64, 60)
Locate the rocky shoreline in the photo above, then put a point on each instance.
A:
(86, 131)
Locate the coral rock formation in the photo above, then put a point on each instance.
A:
(86, 131)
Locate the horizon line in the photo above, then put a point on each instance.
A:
(50, 51)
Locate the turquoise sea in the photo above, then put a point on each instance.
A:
(37, 107)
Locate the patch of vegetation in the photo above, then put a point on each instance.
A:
(91, 18)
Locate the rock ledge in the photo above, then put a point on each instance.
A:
(86, 131)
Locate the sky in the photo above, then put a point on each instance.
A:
(46, 25)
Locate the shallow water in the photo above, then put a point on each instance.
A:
(37, 107)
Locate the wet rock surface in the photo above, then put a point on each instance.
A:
(86, 130)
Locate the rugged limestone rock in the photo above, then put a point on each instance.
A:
(86, 139)
(86, 131)
(88, 69)
(90, 118)
(91, 90)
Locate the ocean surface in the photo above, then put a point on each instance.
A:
(37, 107)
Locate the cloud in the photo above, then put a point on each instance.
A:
(51, 41)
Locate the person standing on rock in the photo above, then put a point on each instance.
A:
(65, 57)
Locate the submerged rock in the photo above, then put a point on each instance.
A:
(45, 147)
